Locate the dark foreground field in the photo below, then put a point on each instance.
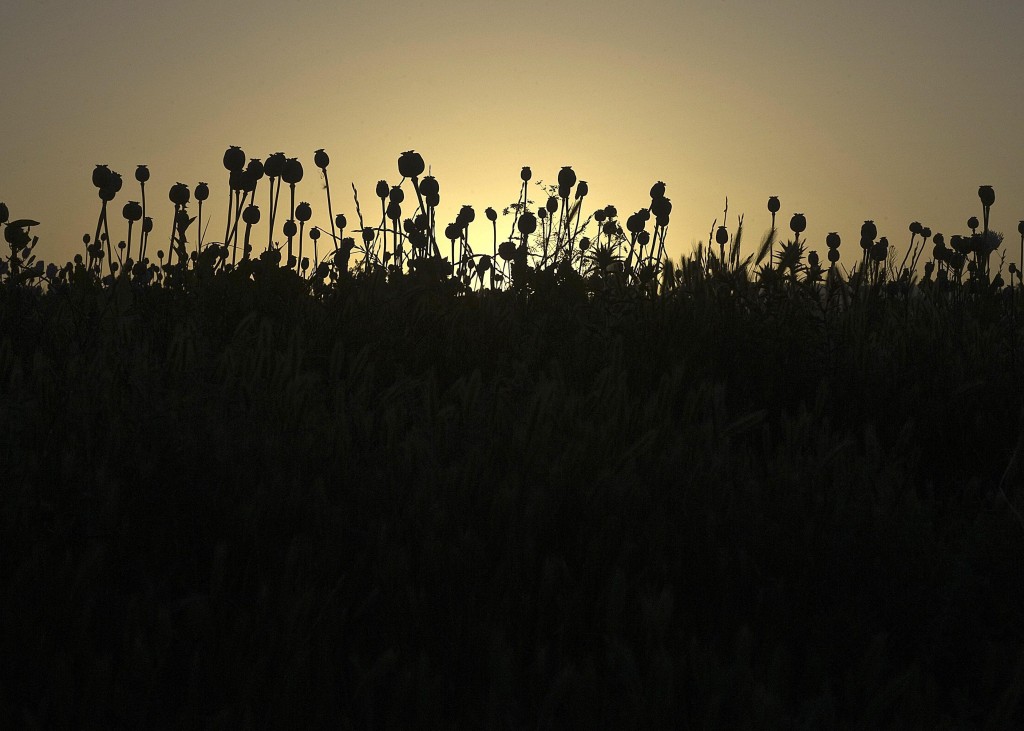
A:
(240, 506)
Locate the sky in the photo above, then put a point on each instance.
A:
(894, 111)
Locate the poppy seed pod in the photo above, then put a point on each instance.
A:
(236, 180)
(142, 173)
(303, 212)
(410, 164)
(566, 177)
(1020, 228)
(321, 159)
(179, 194)
(507, 250)
(542, 213)
(609, 228)
(132, 211)
(657, 190)
(722, 236)
(813, 260)
(368, 235)
(5, 213)
(599, 215)
(527, 223)
(832, 240)
(526, 174)
(467, 214)
(202, 192)
(396, 195)
(290, 229)
(987, 195)
(274, 165)
(340, 221)
(610, 211)
(492, 215)
(234, 158)
(661, 207)
(915, 227)
(429, 186)
(254, 169)
(635, 224)
(939, 240)
(100, 176)
(452, 231)
(833, 255)
(552, 204)
(643, 238)
(393, 211)
(880, 250)
(314, 233)
(433, 200)
(584, 243)
(798, 223)
(972, 222)
(251, 215)
(421, 221)
(563, 191)
(147, 225)
(773, 204)
(868, 231)
(582, 189)
(383, 189)
(865, 242)
(292, 172)
(938, 252)
(926, 232)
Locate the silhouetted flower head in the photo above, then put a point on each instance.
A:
(609, 228)
(292, 172)
(972, 222)
(340, 221)
(566, 177)
(368, 235)
(832, 240)
(542, 214)
(915, 227)
(635, 223)
(142, 173)
(833, 255)
(100, 176)
(658, 190)
(507, 250)
(234, 158)
(527, 223)
(147, 224)
(383, 189)
(452, 231)
(274, 165)
(202, 192)
(610, 211)
(132, 211)
(254, 170)
(773, 204)
(798, 223)
(321, 159)
(410, 164)
(926, 232)
(661, 207)
(599, 215)
(552, 204)
(880, 250)
(290, 228)
(6, 214)
(869, 231)
(396, 195)
(303, 212)
(429, 186)
(466, 216)
(251, 215)
(987, 195)
(526, 174)
(393, 210)
(236, 179)
(492, 215)
(582, 189)
(314, 233)
(722, 236)
(813, 260)
(939, 240)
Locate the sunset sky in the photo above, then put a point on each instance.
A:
(893, 111)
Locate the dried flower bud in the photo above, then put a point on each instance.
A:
(396, 195)
(526, 174)
(657, 190)
(773, 204)
(179, 194)
(722, 236)
(661, 207)
(132, 211)
(314, 233)
(527, 223)
(566, 177)
(290, 228)
(101, 176)
(292, 172)
(915, 227)
(552, 204)
(429, 186)
(303, 212)
(987, 195)
(340, 221)
(582, 189)
(492, 215)
(251, 215)
(234, 158)
(202, 192)
(798, 223)
(833, 255)
(832, 240)
(410, 164)
(383, 189)
(321, 159)
(972, 223)
(142, 173)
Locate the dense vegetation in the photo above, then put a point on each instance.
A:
(385, 489)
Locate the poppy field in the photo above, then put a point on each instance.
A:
(340, 463)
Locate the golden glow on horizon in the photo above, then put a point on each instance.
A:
(846, 113)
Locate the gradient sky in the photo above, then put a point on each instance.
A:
(894, 111)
